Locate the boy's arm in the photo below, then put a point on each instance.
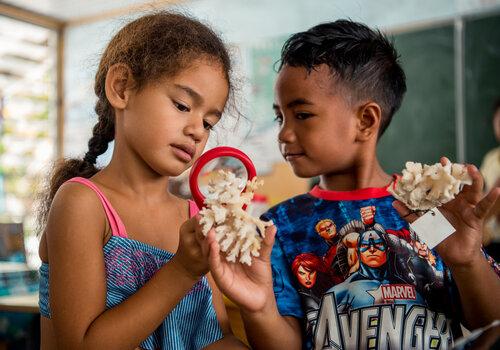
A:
(251, 288)
(478, 285)
(269, 330)
(229, 340)
(479, 289)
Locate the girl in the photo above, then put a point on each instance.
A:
(110, 278)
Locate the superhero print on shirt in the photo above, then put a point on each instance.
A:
(365, 266)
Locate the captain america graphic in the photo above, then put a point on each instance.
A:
(363, 287)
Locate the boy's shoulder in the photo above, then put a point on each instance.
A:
(295, 202)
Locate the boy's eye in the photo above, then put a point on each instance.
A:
(207, 125)
(181, 107)
(302, 116)
(279, 119)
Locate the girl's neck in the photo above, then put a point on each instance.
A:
(135, 180)
(364, 175)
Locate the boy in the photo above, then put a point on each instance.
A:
(339, 85)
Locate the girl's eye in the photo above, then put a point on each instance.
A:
(302, 116)
(207, 126)
(181, 107)
(279, 119)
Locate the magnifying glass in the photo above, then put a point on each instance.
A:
(228, 155)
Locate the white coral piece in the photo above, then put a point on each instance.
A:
(428, 186)
(236, 231)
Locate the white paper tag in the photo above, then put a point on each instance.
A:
(432, 228)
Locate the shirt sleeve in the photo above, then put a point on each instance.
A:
(287, 297)
(494, 264)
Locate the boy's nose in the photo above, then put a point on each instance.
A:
(286, 134)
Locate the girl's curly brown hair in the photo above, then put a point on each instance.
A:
(154, 47)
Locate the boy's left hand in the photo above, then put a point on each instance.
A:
(466, 213)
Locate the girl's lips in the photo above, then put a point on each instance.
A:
(182, 154)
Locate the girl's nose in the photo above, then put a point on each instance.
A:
(195, 128)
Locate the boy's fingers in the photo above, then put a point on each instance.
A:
(484, 206)
(405, 213)
(444, 161)
(268, 242)
(210, 236)
(473, 193)
(214, 261)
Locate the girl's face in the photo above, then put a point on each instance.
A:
(166, 125)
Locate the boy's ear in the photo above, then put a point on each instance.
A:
(369, 117)
(119, 84)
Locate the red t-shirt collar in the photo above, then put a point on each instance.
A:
(359, 194)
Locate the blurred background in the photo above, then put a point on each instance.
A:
(50, 49)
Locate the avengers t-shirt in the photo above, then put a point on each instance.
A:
(351, 268)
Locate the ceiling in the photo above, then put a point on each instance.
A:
(75, 11)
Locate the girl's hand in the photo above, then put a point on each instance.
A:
(466, 213)
(250, 287)
(192, 254)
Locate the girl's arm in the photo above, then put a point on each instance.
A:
(478, 285)
(78, 278)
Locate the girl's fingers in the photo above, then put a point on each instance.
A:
(407, 214)
(190, 224)
(204, 242)
(486, 204)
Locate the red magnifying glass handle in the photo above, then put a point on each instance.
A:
(209, 155)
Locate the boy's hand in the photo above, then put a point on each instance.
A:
(466, 213)
(192, 254)
(250, 287)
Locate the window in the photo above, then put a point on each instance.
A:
(28, 57)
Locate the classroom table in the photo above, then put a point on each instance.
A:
(17, 278)
(20, 303)
(19, 306)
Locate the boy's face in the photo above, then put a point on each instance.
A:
(496, 124)
(318, 126)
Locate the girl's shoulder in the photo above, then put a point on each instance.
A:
(75, 204)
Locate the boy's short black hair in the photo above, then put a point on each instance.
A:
(496, 105)
(363, 60)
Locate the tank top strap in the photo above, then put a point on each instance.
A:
(193, 208)
(117, 227)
